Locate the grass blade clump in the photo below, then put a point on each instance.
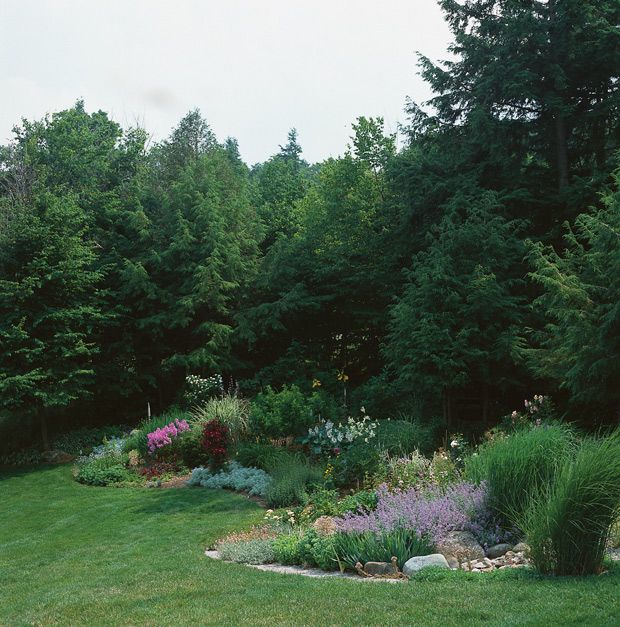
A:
(568, 523)
(518, 466)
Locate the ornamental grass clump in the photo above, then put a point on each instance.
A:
(568, 523)
(518, 466)
(430, 514)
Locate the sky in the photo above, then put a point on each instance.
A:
(254, 68)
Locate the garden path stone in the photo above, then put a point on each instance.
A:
(300, 570)
(415, 564)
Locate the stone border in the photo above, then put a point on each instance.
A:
(304, 572)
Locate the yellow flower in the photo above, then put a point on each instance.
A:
(316, 383)
(342, 376)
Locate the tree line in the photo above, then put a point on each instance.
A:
(454, 275)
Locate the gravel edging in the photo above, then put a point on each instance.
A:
(304, 572)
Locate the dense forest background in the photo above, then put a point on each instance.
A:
(451, 274)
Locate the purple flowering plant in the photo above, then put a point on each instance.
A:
(163, 436)
(430, 513)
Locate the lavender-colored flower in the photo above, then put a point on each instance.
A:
(431, 513)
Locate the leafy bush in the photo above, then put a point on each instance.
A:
(137, 439)
(82, 441)
(516, 467)
(403, 472)
(401, 437)
(286, 549)
(248, 552)
(199, 391)
(191, 448)
(24, 457)
(292, 479)
(102, 471)
(355, 464)
(231, 410)
(318, 550)
(380, 547)
(568, 522)
(328, 438)
(280, 414)
(251, 480)
(215, 441)
(260, 455)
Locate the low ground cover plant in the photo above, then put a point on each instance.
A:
(254, 481)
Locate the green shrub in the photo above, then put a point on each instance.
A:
(401, 437)
(82, 441)
(286, 549)
(192, 449)
(292, 480)
(247, 552)
(403, 472)
(230, 410)
(568, 523)
(104, 471)
(137, 438)
(380, 547)
(355, 464)
(260, 455)
(518, 466)
(318, 550)
(280, 414)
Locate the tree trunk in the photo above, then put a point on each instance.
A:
(43, 424)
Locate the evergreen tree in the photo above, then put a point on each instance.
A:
(49, 307)
(580, 345)
(457, 324)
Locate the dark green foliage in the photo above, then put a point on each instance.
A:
(292, 480)
(518, 466)
(569, 521)
(280, 414)
(82, 441)
(370, 547)
(352, 465)
(105, 471)
(260, 455)
(400, 437)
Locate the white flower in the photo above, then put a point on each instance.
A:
(454, 444)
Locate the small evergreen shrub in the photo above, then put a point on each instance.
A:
(402, 437)
(569, 521)
(234, 477)
(260, 455)
(353, 465)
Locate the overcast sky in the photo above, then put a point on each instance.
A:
(255, 68)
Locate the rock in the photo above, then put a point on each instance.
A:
(521, 548)
(415, 564)
(379, 568)
(493, 552)
(462, 545)
(453, 563)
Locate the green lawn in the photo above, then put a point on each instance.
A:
(73, 554)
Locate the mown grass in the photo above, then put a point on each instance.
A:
(73, 554)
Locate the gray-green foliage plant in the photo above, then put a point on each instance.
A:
(569, 521)
(516, 467)
(292, 480)
(254, 481)
(255, 551)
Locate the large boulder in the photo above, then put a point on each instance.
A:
(497, 550)
(416, 564)
(461, 545)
